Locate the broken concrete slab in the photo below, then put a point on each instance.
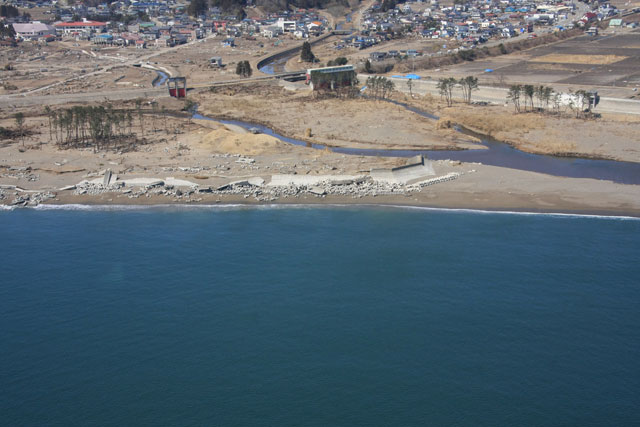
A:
(341, 181)
(107, 177)
(415, 160)
(256, 181)
(404, 174)
(319, 191)
(291, 179)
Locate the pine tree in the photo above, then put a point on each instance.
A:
(20, 125)
(367, 67)
(247, 69)
(243, 68)
(306, 55)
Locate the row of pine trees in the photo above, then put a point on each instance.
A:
(100, 127)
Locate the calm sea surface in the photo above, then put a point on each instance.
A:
(318, 317)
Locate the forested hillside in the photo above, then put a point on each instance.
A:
(266, 5)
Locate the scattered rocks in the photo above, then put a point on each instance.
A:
(20, 172)
(437, 180)
(355, 187)
(31, 199)
(246, 160)
(157, 183)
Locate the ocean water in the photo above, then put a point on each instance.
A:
(318, 317)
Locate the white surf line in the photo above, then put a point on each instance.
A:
(300, 206)
(503, 212)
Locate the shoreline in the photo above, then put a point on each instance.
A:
(226, 166)
(67, 203)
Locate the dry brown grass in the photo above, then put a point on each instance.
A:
(579, 59)
(492, 123)
(553, 142)
(528, 132)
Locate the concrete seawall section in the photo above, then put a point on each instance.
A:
(416, 169)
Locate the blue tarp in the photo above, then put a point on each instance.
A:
(408, 76)
(488, 70)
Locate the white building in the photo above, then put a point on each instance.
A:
(82, 26)
(271, 32)
(33, 30)
(286, 26)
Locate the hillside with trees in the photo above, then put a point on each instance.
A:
(197, 6)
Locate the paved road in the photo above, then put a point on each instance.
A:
(496, 95)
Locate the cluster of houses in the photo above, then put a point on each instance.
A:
(164, 23)
(159, 24)
(473, 22)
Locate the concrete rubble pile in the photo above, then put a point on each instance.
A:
(31, 199)
(386, 182)
(357, 187)
(20, 172)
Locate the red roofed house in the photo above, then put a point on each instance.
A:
(86, 26)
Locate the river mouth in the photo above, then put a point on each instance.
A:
(493, 153)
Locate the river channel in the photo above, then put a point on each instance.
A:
(160, 79)
(493, 153)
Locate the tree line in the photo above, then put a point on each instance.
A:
(467, 84)
(100, 127)
(544, 99)
(341, 60)
(380, 87)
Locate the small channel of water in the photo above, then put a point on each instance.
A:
(160, 79)
(275, 66)
(495, 153)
